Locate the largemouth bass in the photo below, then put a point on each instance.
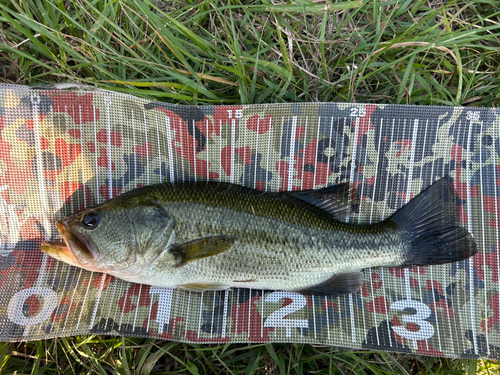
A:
(211, 236)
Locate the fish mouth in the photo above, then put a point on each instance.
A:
(67, 252)
(59, 251)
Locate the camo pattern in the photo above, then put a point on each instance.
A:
(63, 150)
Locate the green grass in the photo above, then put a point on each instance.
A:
(241, 51)
(106, 355)
(237, 51)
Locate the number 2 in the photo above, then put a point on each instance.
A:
(277, 318)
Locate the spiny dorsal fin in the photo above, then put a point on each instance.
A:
(201, 248)
(337, 200)
(339, 285)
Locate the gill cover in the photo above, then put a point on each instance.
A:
(119, 237)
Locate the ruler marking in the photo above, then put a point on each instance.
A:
(304, 156)
(421, 173)
(497, 249)
(383, 270)
(107, 102)
(268, 148)
(483, 239)
(213, 315)
(363, 184)
(249, 312)
(169, 149)
(316, 154)
(123, 285)
(186, 325)
(457, 180)
(280, 146)
(135, 144)
(471, 264)
(330, 142)
(201, 312)
(194, 151)
(291, 158)
(183, 150)
(220, 150)
(340, 320)
(351, 181)
(135, 315)
(97, 301)
(256, 154)
(327, 319)
(158, 137)
(371, 218)
(224, 316)
(395, 187)
(147, 148)
(262, 316)
(237, 310)
(314, 316)
(408, 194)
(35, 102)
(233, 146)
(208, 152)
(444, 151)
(84, 206)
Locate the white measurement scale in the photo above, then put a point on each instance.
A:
(65, 149)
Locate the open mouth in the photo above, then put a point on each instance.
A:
(66, 251)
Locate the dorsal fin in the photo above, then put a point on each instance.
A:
(337, 200)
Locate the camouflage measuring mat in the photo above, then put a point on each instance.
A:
(63, 150)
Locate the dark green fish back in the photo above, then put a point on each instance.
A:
(324, 208)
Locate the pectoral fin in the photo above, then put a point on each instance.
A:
(201, 248)
(340, 284)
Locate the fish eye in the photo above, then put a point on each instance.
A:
(91, 220)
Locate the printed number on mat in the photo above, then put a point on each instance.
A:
(15, 310)
(422, 312)
(357, 112)
(277, 318)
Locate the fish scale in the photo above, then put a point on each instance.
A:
(253, 256)
(201, 236)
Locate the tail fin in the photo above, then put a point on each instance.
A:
(430, 225)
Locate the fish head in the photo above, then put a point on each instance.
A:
(119, 238)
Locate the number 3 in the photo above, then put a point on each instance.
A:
(423, 312)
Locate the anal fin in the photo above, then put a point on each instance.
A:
(338, 285)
